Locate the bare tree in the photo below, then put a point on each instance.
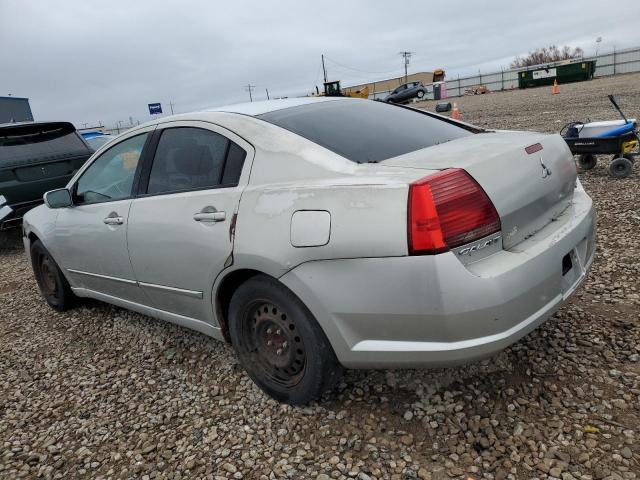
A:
(547, 55)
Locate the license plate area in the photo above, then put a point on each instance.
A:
(567, 264)
(572, 266)
(42, 171)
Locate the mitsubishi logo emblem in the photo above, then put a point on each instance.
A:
(545, 170)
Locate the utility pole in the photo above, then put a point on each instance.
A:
(267, 90)
(324, 70)
(406, 56)
(249, 88)
(171, 107)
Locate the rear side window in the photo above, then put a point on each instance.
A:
(233, 168)
(37, 140)
(363, 130)
(190, 158)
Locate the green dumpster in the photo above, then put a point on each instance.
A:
(575, 71)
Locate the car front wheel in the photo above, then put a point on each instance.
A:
(420, 94)
(53, 286)
(279, 343)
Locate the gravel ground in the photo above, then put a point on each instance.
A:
(99, 392)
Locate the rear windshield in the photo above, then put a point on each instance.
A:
(363, 130)
(33, 141)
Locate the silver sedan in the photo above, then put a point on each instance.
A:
(317, 234)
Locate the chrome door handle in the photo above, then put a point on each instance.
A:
(209, 215)
(114, 219)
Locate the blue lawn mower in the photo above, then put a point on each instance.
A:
(616, 137)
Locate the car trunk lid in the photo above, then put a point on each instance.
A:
(529, 177)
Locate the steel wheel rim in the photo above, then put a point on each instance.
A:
(274, 344)
(620, 167)
(48, 279)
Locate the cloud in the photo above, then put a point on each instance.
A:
(87, 61)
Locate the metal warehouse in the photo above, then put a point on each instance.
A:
(384, 86)
(15, 109)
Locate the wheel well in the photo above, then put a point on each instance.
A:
(227, 288)
(32, 238)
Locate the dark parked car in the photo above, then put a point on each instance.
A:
(406, 92)
(35, 157)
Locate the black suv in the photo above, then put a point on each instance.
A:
(35, 157)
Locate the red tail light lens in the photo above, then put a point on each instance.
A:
(447, 210)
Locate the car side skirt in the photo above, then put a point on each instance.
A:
(188, 322)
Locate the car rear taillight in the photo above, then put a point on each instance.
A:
(447, 210)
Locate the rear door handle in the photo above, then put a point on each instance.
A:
(114, 219)
(209, 215)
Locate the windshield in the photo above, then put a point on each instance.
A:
(364, 130)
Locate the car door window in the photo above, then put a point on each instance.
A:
(110, 176)
(189, 158)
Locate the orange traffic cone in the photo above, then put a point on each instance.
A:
(556, 90)
(456, 113)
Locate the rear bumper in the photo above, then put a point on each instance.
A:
(435, 311)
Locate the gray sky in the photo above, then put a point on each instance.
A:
(87, 61)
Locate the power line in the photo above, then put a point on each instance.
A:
(357, 69)
(250, 88)
(406, 56)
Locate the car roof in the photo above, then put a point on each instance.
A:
(251, 109)
(265, 106)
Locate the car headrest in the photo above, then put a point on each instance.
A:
(192, 160)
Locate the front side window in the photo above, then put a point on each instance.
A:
(97, 142)
(110, 176)
(190, 158)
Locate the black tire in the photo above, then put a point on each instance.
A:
(620, 167)
(630, 157)
(279, 343)
(587, 161)
(53, 286)
(420, 94)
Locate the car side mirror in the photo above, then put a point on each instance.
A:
(60, 198)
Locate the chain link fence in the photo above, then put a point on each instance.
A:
(612, 63)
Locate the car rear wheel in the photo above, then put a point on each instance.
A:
(279, 343)
(587, 161)
(53, 286)
(420, 93)
(620, 167)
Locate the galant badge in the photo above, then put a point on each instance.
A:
(545, 170)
